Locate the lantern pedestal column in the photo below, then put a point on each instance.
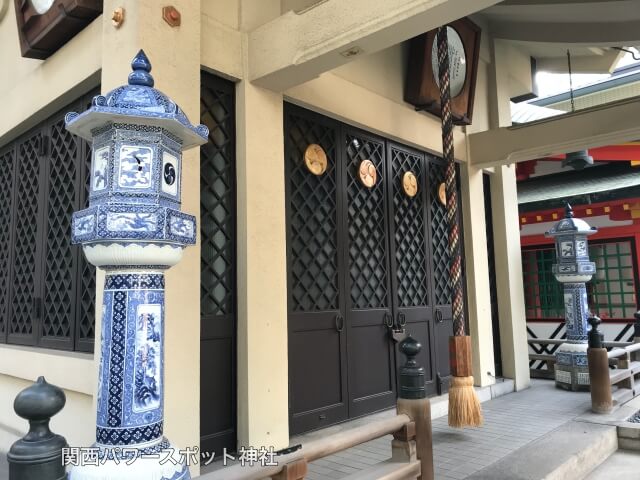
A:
(572, 370)
(129, 431)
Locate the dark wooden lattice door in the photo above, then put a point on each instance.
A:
(218, 267)
(360, 260)
(372, 375)
(411, 255)
(316, 323)
(441, 286)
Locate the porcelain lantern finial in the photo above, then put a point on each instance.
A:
(141, 68)
(568, 211)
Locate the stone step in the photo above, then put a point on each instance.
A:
(569, 452)
(629, 436)
(388, 470)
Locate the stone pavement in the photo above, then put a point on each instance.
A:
(511, 421)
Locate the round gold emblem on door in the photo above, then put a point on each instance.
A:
(315, 159)
(368, 174)
(410, 184)
(442, 194)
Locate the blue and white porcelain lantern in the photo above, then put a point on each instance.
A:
(134, 230)
(573, 269)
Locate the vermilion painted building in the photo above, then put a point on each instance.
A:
(607, 196)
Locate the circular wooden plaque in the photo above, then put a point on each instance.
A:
(315, 159)
(410, 184)
(442, 194)
(368, 174)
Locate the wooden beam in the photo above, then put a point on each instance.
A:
(610, 124)
(297, 47)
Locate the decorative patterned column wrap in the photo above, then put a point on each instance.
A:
(573, 269)
(134, 230)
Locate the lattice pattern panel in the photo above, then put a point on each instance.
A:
(312, 211)
(368, 267)
(86, 319)
(613, 287)
(543, 295)
(26, 232)
(59, 262)
(217, 203)
(439, 238)
(6, 182)
(410, 241)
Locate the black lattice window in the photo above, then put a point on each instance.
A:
(439, 237)
(217, 202)
(410, 241)
(312, 218)
(24, 302)
(368, 266)
(48, 288)
(6, 202)
(59, 271)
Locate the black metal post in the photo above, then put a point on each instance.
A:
(601, 399)
(411, 374)
(38, 455)
(595, 336)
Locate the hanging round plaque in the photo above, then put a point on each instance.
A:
(410, 184)
(368, 174)
(315, 159)
(442, 194)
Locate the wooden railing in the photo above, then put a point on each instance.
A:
(550, 358)
(611, 386)
(294, 465)
(411, 448)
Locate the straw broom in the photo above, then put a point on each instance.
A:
(464, 407)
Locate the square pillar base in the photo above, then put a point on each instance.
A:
(571, 368)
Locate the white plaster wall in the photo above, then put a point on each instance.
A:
(73, 372)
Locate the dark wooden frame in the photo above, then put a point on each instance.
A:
(43, 34)
(222, 327)
(421, 89)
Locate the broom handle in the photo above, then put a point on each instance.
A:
(455, 258)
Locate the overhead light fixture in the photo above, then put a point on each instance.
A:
(578, 160)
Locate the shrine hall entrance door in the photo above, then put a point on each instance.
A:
(359, 263)
(218, 267)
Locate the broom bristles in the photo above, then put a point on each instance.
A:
(464, 406)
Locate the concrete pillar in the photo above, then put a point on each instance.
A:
(477, 274)
(506, 237)
(263, 414)
(175, 56)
